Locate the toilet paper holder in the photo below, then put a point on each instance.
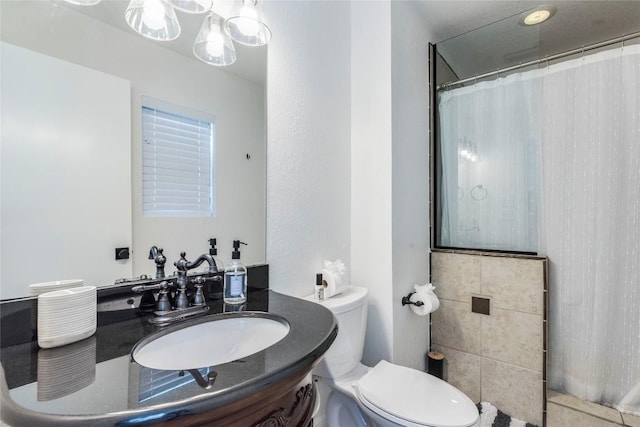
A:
(407, 301)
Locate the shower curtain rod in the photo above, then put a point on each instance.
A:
(447, 86)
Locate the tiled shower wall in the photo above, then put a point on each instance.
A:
(497, 358)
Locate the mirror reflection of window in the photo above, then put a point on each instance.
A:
(177, 164)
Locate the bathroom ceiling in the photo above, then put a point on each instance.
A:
(576, 23)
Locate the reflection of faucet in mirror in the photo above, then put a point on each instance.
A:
(158, 257)
(206, 384)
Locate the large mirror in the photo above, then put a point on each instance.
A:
(74, 82)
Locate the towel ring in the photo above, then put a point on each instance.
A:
(479, 193)
(460, 193)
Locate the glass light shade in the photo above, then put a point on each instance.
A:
(154, 19)
(84, 2)
(247, 24)
(192, 6)
(213, 45)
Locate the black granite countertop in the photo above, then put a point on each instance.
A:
(96, 382)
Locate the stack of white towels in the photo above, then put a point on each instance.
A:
(66, 312)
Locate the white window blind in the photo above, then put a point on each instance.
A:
(177, 165)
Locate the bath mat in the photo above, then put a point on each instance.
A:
(490, 416)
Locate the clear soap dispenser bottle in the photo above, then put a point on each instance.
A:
(235, 277)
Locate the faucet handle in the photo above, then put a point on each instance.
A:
(163, 304)
(160, 285)
(181, 301)
(198, 297)
(143, 288)
(181, 264)
(199, 280)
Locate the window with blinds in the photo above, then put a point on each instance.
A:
(177, 164)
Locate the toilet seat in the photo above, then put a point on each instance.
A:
(413, 398)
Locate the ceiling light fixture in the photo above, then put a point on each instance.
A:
(213, 45)
(247, 24)
(192, 6)
(157, 20)
(154, 19)
(537, 16)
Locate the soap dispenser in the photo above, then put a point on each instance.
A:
(235, 277)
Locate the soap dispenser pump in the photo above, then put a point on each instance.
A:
(213, 251)
(235, 277)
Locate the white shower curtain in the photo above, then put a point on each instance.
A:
(489, 142)
(585, 113)
(590, 225)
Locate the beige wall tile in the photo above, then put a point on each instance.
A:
(584, 406)
(514, 284)
(455, 276)
(454, 325)
(560, 416)
(462, 371)
(631, 420)
(513, 337)
(515, 391)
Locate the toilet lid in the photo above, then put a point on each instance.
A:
(415, 396)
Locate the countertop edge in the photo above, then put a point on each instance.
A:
(16, 415)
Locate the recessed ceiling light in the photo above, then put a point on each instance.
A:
(537, 16)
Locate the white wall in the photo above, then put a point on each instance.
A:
(166, 75)
(371, 170)
(410, 117)
(59, 122)
(308, 155)
(375, 96)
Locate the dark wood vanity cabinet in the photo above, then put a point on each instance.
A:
(289, 402)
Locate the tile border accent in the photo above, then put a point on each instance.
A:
(487, 253)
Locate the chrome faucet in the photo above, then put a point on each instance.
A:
(183, 266)
(173, 303)
(169, 310)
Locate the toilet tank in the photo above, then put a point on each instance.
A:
(350, 309)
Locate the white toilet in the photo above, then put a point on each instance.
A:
(386, 395)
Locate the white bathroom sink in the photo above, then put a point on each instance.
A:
(210, 342)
